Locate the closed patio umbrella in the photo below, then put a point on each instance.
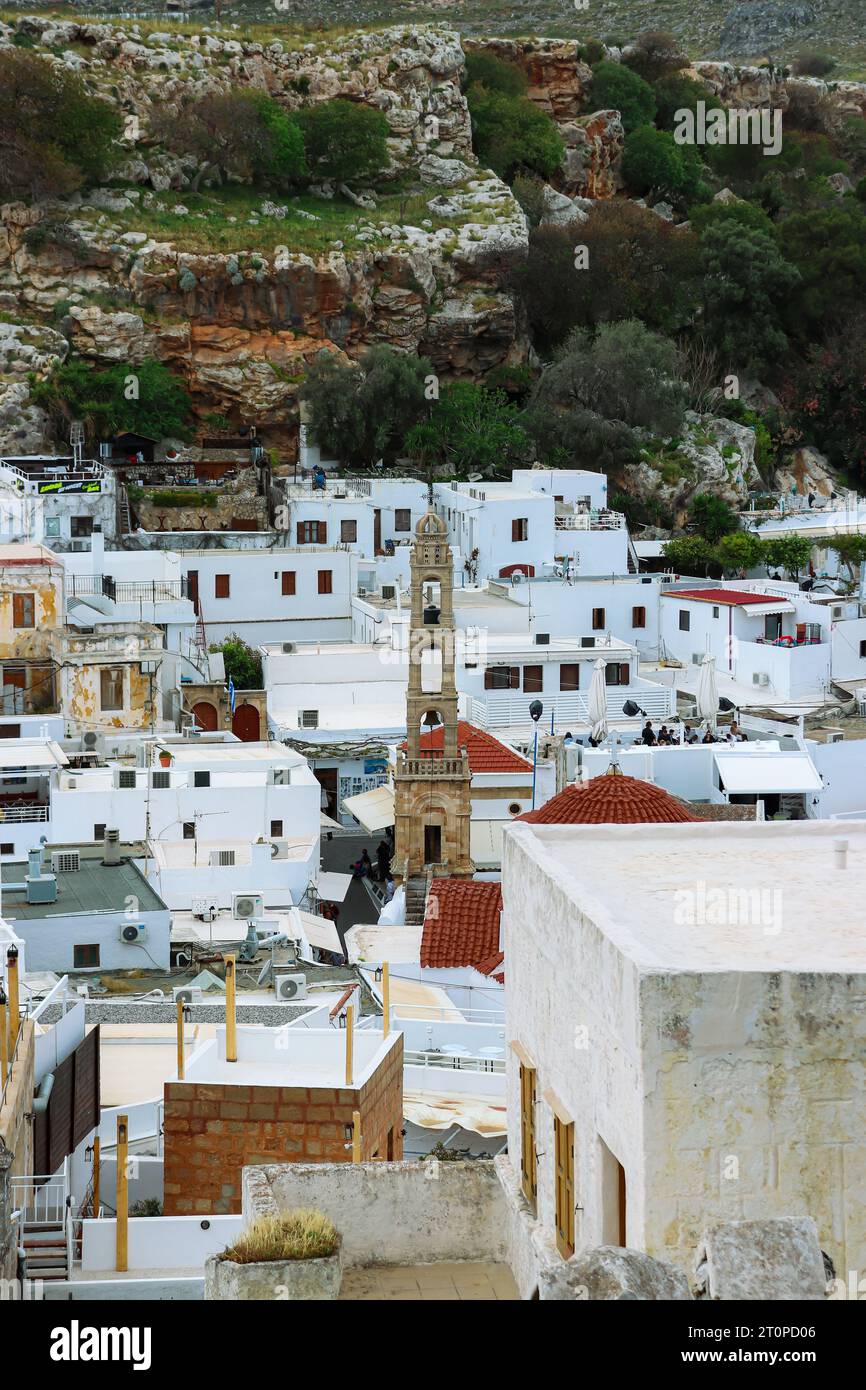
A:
(708, 691)
(596, 702)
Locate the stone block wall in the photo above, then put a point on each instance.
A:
(213, 1131)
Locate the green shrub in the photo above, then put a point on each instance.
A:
(653, 162)
(494, 74)
(510, 134)
(617, 88)
(343, 140)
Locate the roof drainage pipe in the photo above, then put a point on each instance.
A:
(43, 1095)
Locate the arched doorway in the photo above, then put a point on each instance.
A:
(246, 723)
(205, 715)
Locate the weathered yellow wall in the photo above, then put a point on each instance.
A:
(82, 701)
(31, 644)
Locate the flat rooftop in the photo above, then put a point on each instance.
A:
(94, 887)
(716, 897)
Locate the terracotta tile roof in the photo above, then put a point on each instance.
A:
(461, 924)
(486, 753)
(492, 967)
(612, 799)
(732, 597)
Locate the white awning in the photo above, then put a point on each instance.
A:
(328, 823)
(485, 843)
(331, 887)
(765, 610)
(432, 1111)
(23, 753)
(754, 773)
(374, 809)
(321, 932)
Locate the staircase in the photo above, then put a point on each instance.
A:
(125, 515)
(416, 899)
(46, 1255)
(632, 558)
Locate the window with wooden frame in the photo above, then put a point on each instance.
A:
(221, 586)
(402, 519)
(312, 533)
(569, 675)
(23, 610)
(533, 679)
(85, 957)
(638, 617)
(111, 688)
(528, 1151)
(616, 673)
(326, 582)
(520, 528)
(288, 582)
(598, 619)
(502, 678)
(348, 531)
(685, 620)
(563, 1147)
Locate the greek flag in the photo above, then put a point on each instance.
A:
(232, 694)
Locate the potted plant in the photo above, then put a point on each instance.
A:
(164, 758)
(290, 1255)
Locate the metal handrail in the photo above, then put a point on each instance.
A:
(8, 1077)
(432, 1058)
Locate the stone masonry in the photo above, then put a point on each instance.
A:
(212, 1131)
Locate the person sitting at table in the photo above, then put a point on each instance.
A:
(648, 736)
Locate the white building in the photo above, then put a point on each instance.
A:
(80, 910)
(685, 1033)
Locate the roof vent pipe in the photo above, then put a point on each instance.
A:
(111, 848)
(840, 853)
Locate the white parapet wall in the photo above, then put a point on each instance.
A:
(392, 1213)
(158, 1242)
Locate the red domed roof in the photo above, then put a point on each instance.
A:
(612, 799)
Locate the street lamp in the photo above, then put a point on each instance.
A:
(536, 710)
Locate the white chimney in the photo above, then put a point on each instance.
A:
(840, 853)
(97, 550)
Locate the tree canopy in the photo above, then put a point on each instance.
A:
(145, 398)
(344, 140)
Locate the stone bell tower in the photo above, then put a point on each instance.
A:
(432, 786)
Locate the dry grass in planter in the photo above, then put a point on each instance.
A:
(290, 1235)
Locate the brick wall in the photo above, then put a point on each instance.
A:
(211, 1131)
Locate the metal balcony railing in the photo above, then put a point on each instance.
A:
(18, 815)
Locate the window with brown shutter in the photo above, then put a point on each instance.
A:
(221, 586)
(520, 528)
(569, 676)
(563, 1144)
(348, 532)
(616, 673)
(638, 617)
(502, 678)
(325, 582)
(23, 610)
(598, 619)
(533, 679)
(528, 1155)
(402, 519)
(288, 582)
(312, 533)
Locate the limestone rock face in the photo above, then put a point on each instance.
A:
(810, 471)
(714, 455)
(610, 1272)
(558, 80)
(593, 145)
(756, 1260)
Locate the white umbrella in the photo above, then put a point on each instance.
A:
(708, 691)
(596, 702)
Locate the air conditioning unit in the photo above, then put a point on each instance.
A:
(587, 641)
(221, 858)
(92, 743)
(160, 780)
(542, 639)
(760, 678)
(288, 648)
(290, 987)
(205, 908)
(65, 861)
(246, 906)
(362, 592)
(279, 849)
(126, 779)
(835, 736)
(697, 658)
(187, 994)
(133, 935)
(309, 719)
(389, 591)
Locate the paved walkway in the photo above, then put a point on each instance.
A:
(430, 1283)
